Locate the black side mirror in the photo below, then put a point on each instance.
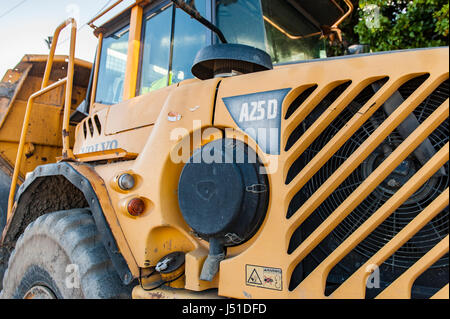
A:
(358, 49)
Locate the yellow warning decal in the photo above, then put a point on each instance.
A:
(263, 277)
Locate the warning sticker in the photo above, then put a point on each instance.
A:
(263, 277)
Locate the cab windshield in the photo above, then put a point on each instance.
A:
(288, 30)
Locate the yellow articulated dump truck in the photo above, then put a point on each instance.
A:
(213, 150)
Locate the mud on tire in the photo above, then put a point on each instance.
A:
(62, 252)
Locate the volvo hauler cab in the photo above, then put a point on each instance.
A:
(213, 150)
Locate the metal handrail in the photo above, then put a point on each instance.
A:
(350, 8)
(101, 14)
(335, 26)
(68, 81)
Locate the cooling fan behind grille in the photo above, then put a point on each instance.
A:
(426, 238)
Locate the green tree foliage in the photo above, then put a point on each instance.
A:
(403, 24)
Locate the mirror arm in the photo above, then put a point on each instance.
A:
(197, 16)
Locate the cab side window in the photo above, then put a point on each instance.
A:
(113, 62)
(170, 43)
(189, 37)
(156, 51)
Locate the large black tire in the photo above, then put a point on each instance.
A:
(5, 183)
(61, 255)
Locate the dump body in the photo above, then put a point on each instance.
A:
(44, 142)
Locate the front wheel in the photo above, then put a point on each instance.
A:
(61, 256)
(5, 184)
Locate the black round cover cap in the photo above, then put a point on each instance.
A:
(210, 196)
(243, 57)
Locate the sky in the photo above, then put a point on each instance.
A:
(25, 24)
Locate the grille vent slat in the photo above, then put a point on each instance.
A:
(402, 238)
(400, 288)
(323, 105)
(299, 101)
(301, 130)
(311, 169)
